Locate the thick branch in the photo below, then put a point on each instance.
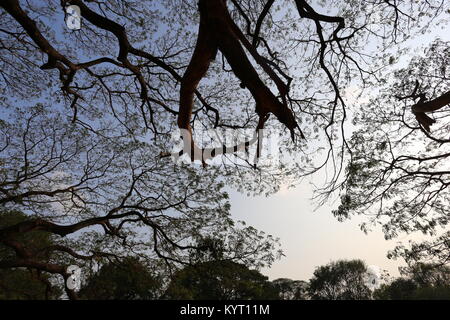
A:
(432, 105)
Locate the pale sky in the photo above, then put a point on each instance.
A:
(310, 238)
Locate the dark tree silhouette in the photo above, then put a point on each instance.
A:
(26, 283)
(128, 279)
(340, 280)
(399, 172)
(420, 281)
(219, 280)
(291, 289)
(399, 289)
(100, 199)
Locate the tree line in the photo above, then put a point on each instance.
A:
(210, 276)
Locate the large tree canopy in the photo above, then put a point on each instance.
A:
(219, 280)
(88, 115)
(399, 174)
(420, 281)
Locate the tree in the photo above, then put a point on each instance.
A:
(132, 78)
(128, 279)
(398, 175)
(420, 281)
(428, 274)
(432, 293)
(100, 198)
(219, 280)
(407, 289)
(399, 289)
(340, 280)
(291, 289)
(21, 283)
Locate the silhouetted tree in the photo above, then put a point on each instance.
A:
(92, 196)
(340, 280)
(428, 274)
(291, 289)
(420, 281)
(25, 283)
(399, 289)
(432, 293)
(128, 279)
(399, 165)
(87, 116)
(220, 279)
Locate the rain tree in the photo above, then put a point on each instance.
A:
(340, 280)
(291, 289)
(399, 174)
(87, 117)
(25, 283)
(220, 64)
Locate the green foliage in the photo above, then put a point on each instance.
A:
(21, 283)
(290, 289)
(428, 274)
(432, 293)
(399, 289)
(340, 280)
(128, 279)
(420, 282)
(221, 280)
(33, 240)
(407, 289)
